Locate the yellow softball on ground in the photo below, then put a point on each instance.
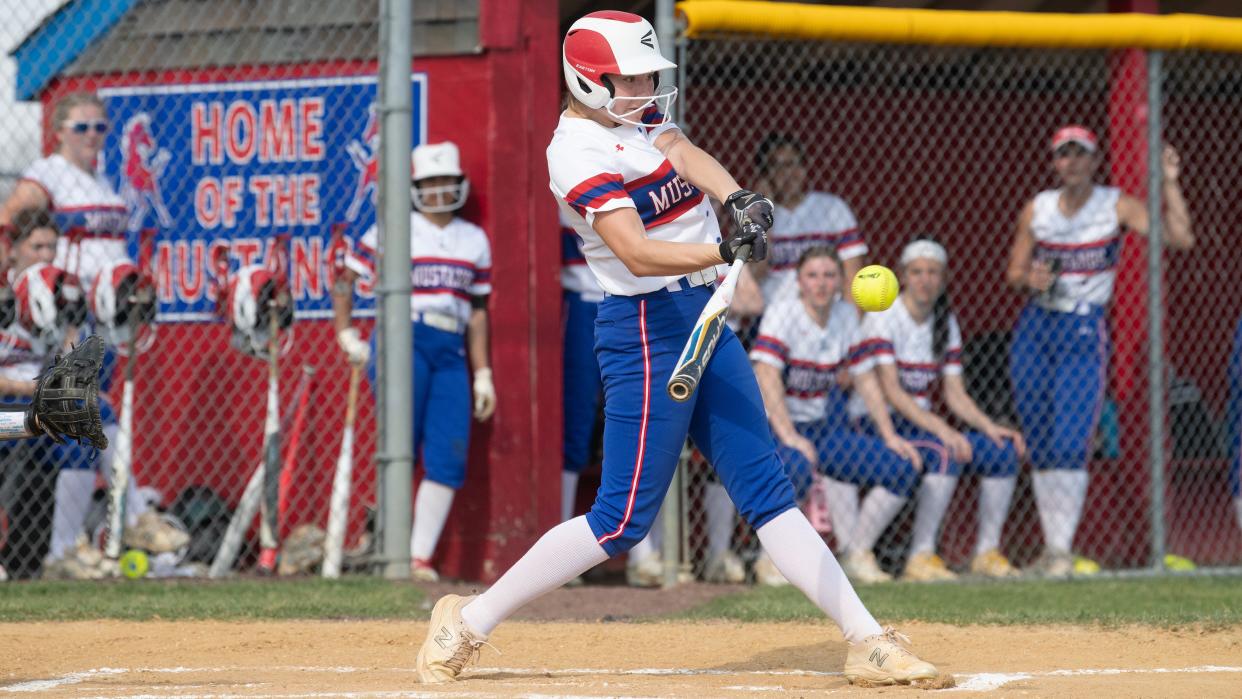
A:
(134, 564)
(874, 288)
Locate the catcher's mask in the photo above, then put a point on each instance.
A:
(255, 293)
(442, 161)
(48, 301)
(124, 304)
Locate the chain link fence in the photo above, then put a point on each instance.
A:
(203, 163)
(867, 147)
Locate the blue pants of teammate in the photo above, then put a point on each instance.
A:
(583, 389)
(441, 403)
(1057, 364)
(638, 340)
(989, 460)
(848, 456)
(1235, 414)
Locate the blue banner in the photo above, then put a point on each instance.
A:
(229, 169)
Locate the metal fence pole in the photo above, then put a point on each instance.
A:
(1155, 311)
(395, 458)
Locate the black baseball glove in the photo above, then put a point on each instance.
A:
(66, 397)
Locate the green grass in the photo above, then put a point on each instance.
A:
(357, 598)
(1163, 602)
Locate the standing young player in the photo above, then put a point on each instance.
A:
(636, 190)
(801, 360)
(1064, 256)
(912, 346)
(452, 267)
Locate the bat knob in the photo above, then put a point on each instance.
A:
(679, 389)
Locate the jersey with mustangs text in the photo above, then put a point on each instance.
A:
(807, 354)
(1083, 248)
(893, 337)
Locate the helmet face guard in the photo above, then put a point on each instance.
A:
(422, 195)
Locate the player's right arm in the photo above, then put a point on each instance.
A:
(1024, 273)
(622, 231)
(26, 195)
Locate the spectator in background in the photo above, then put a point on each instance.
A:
(802, 219)
(452, 267)
(801, 361)
(912, 347)
(90, 214)
(1064, 256)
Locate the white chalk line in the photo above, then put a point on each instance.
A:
(976, 682)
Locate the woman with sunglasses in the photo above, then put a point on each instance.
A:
(1064, 257)
(67, 183)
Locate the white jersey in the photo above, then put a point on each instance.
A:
(87, 208)
(447, 265)
(18, 359)
(808, 355)
(892, 337)
(819, 219)
(575, 275)
(1086, 246)
(595, 169)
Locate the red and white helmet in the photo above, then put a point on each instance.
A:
(437, 160)
(123, 302)
(254, 292)
(615, 43)
(48, 300)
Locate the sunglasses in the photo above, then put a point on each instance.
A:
(81, 127)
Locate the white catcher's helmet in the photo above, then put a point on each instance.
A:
(616, 43)
(123, 301)
(48, 300)
(254, 292)
(437, 160)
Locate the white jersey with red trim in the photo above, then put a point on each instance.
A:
(893, 337)
(808, 355)
(595, 169)
(819, 219)
(19, 360)
(86, 208)
(575, 275)
(447, 265)
(1085, 247)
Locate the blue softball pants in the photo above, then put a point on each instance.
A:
(583, 388)
(848, 456)
(989, 460)
(1057, 365)
(442, 403)
(638, 340)
(1235, 414)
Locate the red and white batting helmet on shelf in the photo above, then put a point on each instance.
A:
(437, 160)
(48, 301)
(254, 292)
(615, 43)
(123, 302)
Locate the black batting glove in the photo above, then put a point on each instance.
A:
(749, 207)
(752, 235)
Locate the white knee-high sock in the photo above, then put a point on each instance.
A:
(995, 494)
(1060, 494)
(934, 496)
(568, 550)
(878, 509)
(802, 557)
(843, 510)
(431, 508)
(569, 494)
(718, 509)
(73, 499)
(135, 506)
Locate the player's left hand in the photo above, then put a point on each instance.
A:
(905, 450)
(484, 394)
(999, 435)
(1170, 164)
(750, 207)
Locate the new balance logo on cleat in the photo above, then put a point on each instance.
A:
(878, 658)
(443, 638)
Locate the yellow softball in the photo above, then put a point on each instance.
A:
(134, 564)
(874, 288)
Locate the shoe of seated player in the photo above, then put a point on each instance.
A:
(927, 567)
(153, 534)
(766, 573)
(1054, 564)
(993, 564)
(421, 571)
(645, 572)
(450, 645)
(724, 567)
(861, 567)
(885, 659)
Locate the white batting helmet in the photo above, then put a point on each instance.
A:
(615, 43)
(123, 302)
(48, 300)
(254, 292)
(437, 160)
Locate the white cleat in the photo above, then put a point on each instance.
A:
(883, 659)
(767, 574)
(647, 572)
(450, 645)
(724, 567)
(862, 568)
